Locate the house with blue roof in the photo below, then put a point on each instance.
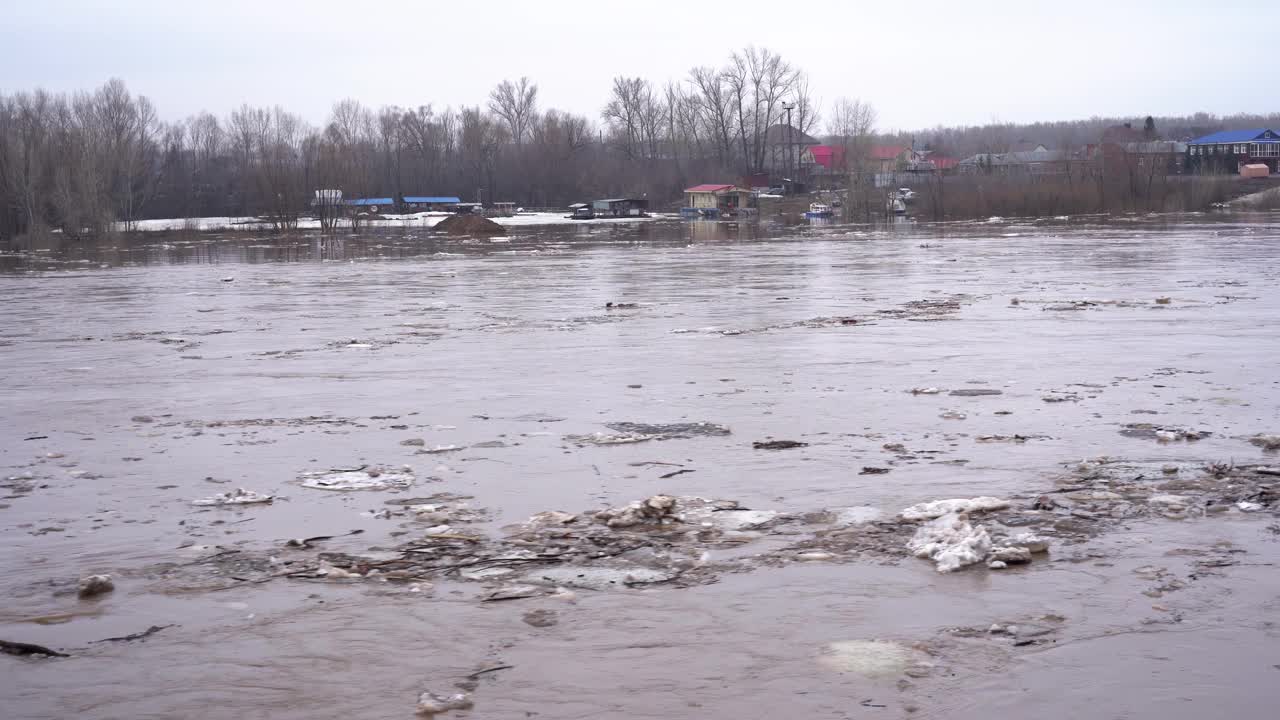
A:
(430, 202)
(1229, 150)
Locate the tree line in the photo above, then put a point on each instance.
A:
(89, 162)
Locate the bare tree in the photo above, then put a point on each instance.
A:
(517, 104)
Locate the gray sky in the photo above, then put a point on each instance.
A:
(921, 63)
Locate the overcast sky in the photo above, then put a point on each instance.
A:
(919, 63)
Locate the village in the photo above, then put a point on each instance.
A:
(816, 179)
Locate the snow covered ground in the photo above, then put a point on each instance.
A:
(423, 219)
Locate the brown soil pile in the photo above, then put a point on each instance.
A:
(469, 225)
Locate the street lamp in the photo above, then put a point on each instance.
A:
(788, 106)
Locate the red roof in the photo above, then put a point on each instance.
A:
(886, 152)
(828, 156)
(708, 188)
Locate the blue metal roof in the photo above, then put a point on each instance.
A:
(1238, 136)
(432, 200)
(372, 201)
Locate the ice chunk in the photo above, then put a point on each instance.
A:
(431, 704)
(1246, 506)
(850, 516)
(938, 508)
(871, 658)
(239, 496)
(362, 479)
(599, 578)
(951, 542)
(1033, 543)
(95, 585)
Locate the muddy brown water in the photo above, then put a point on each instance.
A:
(144, 373)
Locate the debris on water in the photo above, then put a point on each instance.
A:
(1266, 442)
(778, 444)
(975, 392)
(228, 279)
(1163, 300)
(873, 471)
(94, 585)
(430, 704)
(1162, 434)
(1030, 542)
(362, 478)
(600, 438)
(1011, 555)
(600, 578)
(239, 496)
(652, 511)
(441, 449)
(1060, 396)
(552, 518)
(669, 431)
(514, 592)
(1009, 438)
(938, 508)
(814, 556)
(413, 442)
(924, 391)
(870, 658)
(620, 306)
(851, 516)
(951, 542)
(953, 415)
(20, 648)
(135, 636)
(540, 618)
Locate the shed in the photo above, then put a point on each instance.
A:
(1255, 170)
(714, 199)
(620, 207)
(372, 204)
(430, 202)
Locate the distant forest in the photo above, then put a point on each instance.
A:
(88, 162)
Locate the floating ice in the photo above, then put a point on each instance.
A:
(951, 542)
(239, 496)
(362, 479)
(938, 508)
(872, 658)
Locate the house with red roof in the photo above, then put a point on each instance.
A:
(714, 200)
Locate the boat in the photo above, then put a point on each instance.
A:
(818, 210)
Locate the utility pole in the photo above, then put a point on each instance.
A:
(786, 154)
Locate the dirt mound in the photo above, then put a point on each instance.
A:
(469, 225)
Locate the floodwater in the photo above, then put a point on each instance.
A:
(148, 372)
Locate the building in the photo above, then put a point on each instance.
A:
(1040, 161)
(784, 145)
(419, 203)
(824, 160)
(1227, 151)
(620, 207)
(717, 201)
(372, 205)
